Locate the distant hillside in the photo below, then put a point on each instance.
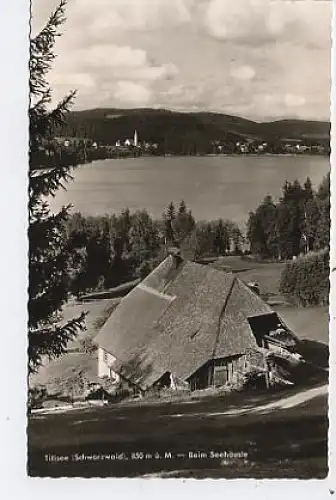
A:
(297, 129)
(185, 132)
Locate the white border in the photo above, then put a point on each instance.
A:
(14, 34)
(14, 48)
(332, 307)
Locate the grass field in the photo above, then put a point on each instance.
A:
(266, 274)
(310, 323)
(78, 360)
(149, 441)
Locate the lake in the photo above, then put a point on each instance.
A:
(212, 187)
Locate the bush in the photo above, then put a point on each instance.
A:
(36, 397)
(305, 281)
(88, 345)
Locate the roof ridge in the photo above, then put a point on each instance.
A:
(222, 312)
(172, 274)
(154, 291)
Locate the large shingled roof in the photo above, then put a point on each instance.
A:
(177, 319)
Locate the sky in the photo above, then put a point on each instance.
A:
(260, 59)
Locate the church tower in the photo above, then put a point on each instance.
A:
(135, 141)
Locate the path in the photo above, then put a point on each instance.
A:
(281, 404)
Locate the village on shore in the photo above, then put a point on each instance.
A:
(134, 147)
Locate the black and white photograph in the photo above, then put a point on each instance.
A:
(179, 239)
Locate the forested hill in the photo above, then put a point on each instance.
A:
(177, 130)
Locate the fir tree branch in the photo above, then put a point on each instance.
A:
(41, 55)
(56, 19)
(46, 183)
(51, 342)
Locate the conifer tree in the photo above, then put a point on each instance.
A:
(49, 169)
(169, 217)
(262, 231)
(183, 224)
(323, 225)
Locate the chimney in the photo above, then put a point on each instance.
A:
(176, 255)
(254, 287)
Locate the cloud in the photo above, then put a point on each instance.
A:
(293, 101)
(258, 22)
(246, 20)
(107, 66)
(85, 80)
(131, 93)
(243, 72)
(121, 60)
(257, 58)
(132, 15)
(185, 97)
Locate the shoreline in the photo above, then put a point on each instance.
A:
(214, 155)
(210, 155)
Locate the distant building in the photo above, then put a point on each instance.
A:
(244, 148)
(130, 142)
(74, 142)
(135, 140)
(301, 148)
(262, 147)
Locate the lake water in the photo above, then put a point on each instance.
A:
(213, 187)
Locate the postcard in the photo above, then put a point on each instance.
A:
(179, 239)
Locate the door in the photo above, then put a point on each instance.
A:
(221, 375)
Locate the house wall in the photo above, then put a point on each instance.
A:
(202, 378)
(103, 369)
(218, 372)
(231, 370)
(105, 361)
(227, 370)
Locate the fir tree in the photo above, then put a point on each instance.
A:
(308, 193)
(262, 231)
(182, 208)
(169, 216)
(323, 225)
(221, 243)
(171, 212)
(48, 253)
(183, 224)
(291, 220)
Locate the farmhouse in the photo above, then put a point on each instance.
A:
(190, 325)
